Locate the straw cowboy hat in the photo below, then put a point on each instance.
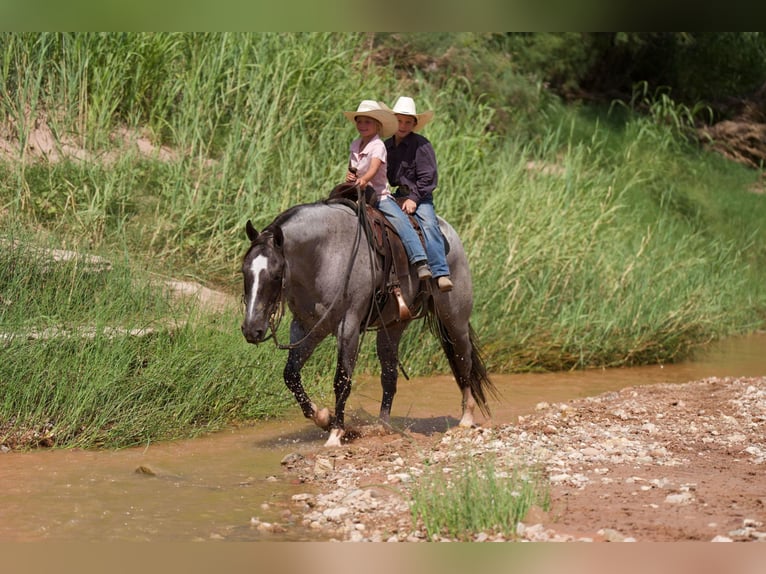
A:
(406, 106)
(376, 111)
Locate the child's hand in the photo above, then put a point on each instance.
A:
(350, 177)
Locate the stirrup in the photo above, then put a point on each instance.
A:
(404, 311)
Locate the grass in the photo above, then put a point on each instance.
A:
(600, 259)
(111, 358)
(594, 240)
(473, 497)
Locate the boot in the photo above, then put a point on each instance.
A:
(444, 284)
(424, 271)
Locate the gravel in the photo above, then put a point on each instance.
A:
(663, 462)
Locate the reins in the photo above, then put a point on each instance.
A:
(276, 317)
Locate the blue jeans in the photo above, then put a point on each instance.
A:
(401, 223)
(437, 258)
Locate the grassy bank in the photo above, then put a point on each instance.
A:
(615, 252)
(594, 240)
(111, 357)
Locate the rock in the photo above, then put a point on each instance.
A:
(611, 535)
(335, 513)
(323, 466)
(302, 497)
(679, 498)
(291, 459)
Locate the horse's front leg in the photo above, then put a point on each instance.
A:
(296, 358)
(348, 342)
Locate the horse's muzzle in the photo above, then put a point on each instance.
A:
(253, 335)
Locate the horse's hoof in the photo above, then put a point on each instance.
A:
(466, 423)
(322, 418)
(335, 436)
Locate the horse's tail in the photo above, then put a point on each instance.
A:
(478, 379)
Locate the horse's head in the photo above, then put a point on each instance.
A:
(262, 270)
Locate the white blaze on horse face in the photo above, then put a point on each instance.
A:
(257, 265)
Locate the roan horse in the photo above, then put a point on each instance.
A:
(316, 259)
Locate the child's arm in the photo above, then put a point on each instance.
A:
(375, 164)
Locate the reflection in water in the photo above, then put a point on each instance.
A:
(210, 488)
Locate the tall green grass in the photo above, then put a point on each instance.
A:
(593, 239)
(604, 254)
(119, 390)
(112, 358)
(255, 121)
(473, 497)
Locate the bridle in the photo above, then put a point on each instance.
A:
(276, 316)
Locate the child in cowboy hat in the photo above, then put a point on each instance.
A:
(412, 170)
(367, 166)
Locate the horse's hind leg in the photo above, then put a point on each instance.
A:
(456, 340)
(388, 354)
(462, 348)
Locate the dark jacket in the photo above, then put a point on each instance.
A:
(412, 165)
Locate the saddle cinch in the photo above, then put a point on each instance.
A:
(383, 237)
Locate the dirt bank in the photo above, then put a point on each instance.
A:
(667, 462)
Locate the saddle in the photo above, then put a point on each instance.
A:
(383, 237)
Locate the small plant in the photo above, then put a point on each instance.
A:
(476, 497)
(665, 111)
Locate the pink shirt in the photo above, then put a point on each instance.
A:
(361, 159)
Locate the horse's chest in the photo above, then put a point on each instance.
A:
(307, 308)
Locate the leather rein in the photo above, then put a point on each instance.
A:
(276, 316)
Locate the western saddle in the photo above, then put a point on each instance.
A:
(384, 239)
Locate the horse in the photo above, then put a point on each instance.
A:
(315, 259)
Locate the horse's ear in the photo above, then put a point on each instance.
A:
(279, 238)
(251, 231)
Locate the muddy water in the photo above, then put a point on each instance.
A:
(210, 488)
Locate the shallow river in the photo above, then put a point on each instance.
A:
(209, 488)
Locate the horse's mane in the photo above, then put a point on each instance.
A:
(281, 218)
(291, 212)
